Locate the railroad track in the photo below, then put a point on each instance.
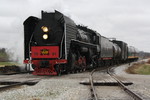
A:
(120, 84)
(93, 92)
(92, 88)
(5, 85)
(128, 91)
(12, 81)
(91, 83)
(10, 84)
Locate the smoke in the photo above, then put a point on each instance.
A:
(12, 35)
(14, 44)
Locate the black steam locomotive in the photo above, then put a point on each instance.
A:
(55, 44)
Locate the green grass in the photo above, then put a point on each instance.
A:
(3, 54)
(143, 69)
(7, 63)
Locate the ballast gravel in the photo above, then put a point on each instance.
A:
(48, 89)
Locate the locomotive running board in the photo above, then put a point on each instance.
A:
(83, 44)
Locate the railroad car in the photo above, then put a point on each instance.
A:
(124, 50)
(54, 44)
(106, 53)
(132, 53)
(116, 53)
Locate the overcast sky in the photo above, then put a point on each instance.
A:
(126, 20)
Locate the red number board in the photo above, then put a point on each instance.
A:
(45, 51)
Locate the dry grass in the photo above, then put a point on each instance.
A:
(140, 68)
(144, 69)
(132, 68)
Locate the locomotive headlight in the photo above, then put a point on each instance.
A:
(45, 36)
(44, 28)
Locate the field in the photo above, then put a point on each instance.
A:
(140, 68)
(4, 58)
(7, 64)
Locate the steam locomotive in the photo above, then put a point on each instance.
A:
(54, 44)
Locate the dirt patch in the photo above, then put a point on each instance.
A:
(9, 69)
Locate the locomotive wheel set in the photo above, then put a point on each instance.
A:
(55, 44)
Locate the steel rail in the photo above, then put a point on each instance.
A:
(17, 84)
(93, 93)
(11, 86)
(131, 93)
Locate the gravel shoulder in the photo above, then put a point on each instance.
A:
(65, 87)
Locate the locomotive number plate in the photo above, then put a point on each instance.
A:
(45, 51)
